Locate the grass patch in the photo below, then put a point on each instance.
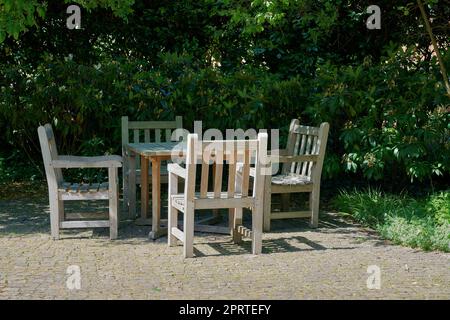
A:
(417, 223)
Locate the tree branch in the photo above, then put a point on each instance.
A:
(435, 46)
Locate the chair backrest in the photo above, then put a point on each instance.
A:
(149, 131)
(230, 158)
(305, 140)
(49, 153)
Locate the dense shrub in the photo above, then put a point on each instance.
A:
(388, 119)
(233, 64)
(385, 119)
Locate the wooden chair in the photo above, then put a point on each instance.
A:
(146, 132)
(301, 170)
(59, 190)
(221, 153)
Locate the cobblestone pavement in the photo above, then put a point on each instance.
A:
(297, 263)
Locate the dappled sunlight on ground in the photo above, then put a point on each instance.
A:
(297, 262)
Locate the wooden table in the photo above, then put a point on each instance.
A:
(156, 153)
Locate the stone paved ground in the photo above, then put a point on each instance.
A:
(298, 263)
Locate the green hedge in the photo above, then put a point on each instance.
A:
(386, 119)
(232, 64)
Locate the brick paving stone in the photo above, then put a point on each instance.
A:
(297, 263)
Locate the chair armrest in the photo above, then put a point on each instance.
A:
(176, 169)
(282, 159)
(87, 162)
(281, 152)
(299, 158)
(239, 169)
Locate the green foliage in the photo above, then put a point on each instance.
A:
(83, 102)
(439, 205)
(17, 16)
(120, 8)
(16, 168)
(396, 127)
(423, 223)
(391, 116)
(232, 64)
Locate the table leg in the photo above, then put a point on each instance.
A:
(156, 199)
(144, 187)
(216, 213)
(125, 182)
(132, 185)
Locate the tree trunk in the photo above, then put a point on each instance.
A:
(435, 46)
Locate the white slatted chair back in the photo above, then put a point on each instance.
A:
(229, 159)
(306, 140)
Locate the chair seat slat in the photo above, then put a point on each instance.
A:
(74, 188)
(103, 186)
(93, 187)
(84, 187)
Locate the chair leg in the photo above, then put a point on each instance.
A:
(257, 227)
(267, 203)
(188, 231)
(125, 182)
(61, 210)
(231, 222)
(237, 221)
(237, 237)
(54, 214)
(314, 207)
(113, 202)
(132, 186)
(172, 214)
(172, 221)
(285, 201)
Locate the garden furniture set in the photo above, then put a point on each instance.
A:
(213, 174)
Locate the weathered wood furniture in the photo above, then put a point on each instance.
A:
(143, 132)
(301, 170)
(59, 190)
(225, 154)
(156, 153)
